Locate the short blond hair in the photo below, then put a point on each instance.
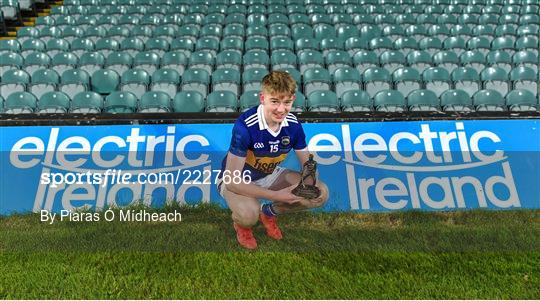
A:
(279, 82)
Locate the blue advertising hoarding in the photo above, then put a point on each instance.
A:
(373, 166)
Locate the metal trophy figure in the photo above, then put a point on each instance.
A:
(308, 191)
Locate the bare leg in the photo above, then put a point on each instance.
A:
(245, 210)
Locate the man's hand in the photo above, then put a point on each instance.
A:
(285, 195)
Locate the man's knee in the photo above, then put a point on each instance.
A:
(246, 217)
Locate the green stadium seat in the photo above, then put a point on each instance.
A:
(521, 100)
(106, 46)
(7, 46)
(234, 31)
(119, 62)
(157, 45)
(488, 100)
(336, 59)
(331, 44)
(238, 19)
(423, 100)
(26, 33)
(306, 44)
(460, 32)
(165, 80)
(316, 79)
(380, 45)
(456, 101)
(356, 101)
(473, 59)
(364, 59)
(255, 59)
(32, 45)
(340, 20)
(355, 44)
(416, 31)
(188, 101)
(120, 102)
(232, 43)
(431, 45)
(70, 33)
(183, 45)
(132, 46)
(300, 102)
(406, 80)
(436, 79)
(210, 45)
(446, 59)
(202, 60)
(323, 101)
(392, 60)
(43, 81)
(278, 19)
(297, 17)
(74, 81)
(13, 80)
(406, 45)
(189, 32)
(229, 59)
(251, 79)
(118, 32)
(256, 44)
(528, 30)
(248, 100)
(346, 79)
(393, 32)
(20, 103)
(64, 61)
(142, 32)
(221, 101)
(226, 79)
(441, 32)
(324, 31)
(95, 33)
(35, 61)
(495, 78)
(466, 79)
(505, 44)
(104, 81)
(135, 81)
(376, 79)
(389, 101)
(527, 44)
(213, 31)
(147, 60)
(155, 102)
(280, 44)
(195, 79)
(525, 78)
(56, 45)
(91, 62)
(302, 31)
(256, 19)
(109, 22)
(81, 46)
(53, 102)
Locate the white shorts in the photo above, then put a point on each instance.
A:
(265, 182)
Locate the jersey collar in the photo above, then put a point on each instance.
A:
(264, 126)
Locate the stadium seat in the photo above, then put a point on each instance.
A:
(480, 44)
(188, 101)
(91, 62)
(310, 59)
(392, 60)
(419, 60)
(104, 81)
(306, 44)
(283, 59)
(323, 101)
(20, 103)
(53, 102)
(346, 79)
(364, 59)
(32, 45)
(446, 59)
(256, 44)
(473, 59)
(259, 32)
(195, 79)
(423, 100)
(488, 100)
(175, 60)
(500, 59)
(119, 62)
(316, 79)
(389, 101)
(456, 101)
(234, 31)
(406, 45)
(149, 61)
(9, 46)
(202, 60)
(86, 102)
(155, 102)
(183, 45)
(135, 81)
(42, 81)
(466, 79)
(248, 100)
(406, 79)
(117, 33)
(431, 45)
(251, 79)
(495, 78)
(525, 78)
(64, 61)
(521, 100)
(526, 58)
(255, 59)
(356, 101)
(376, 79)
(165, 80)
(14, 80)
(277, 31)
(106, 46)
(36, 60)
(226, 79)
(157, 45)
(74, 81)
(528, 44)
(280, 44)
(120, 102)
(232, 43)
(331, 44)
(221, 101)
(436, 79)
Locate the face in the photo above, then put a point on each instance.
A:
(276, 106)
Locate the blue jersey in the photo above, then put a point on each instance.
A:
(263, 148)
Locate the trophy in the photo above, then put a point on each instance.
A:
(308, 191)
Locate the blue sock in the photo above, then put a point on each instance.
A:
(268, 210)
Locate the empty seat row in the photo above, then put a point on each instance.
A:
(224, 101)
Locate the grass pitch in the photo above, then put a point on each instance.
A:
(411, 255)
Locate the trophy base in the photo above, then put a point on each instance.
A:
(307, 191)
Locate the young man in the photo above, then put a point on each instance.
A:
(261, 139)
